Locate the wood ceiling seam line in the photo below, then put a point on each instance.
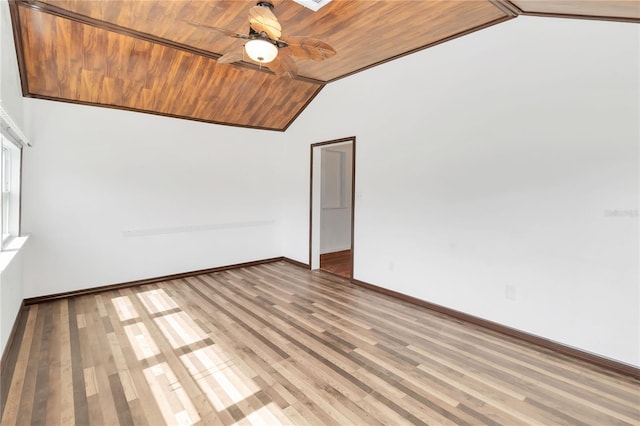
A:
(507, 7)
(303, 108)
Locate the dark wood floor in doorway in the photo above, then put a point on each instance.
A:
(278, 344)
(338, 263)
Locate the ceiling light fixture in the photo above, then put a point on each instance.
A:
(261, 51)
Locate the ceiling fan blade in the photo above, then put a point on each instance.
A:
(309, 48)
(262, 19)
(220, 31)
(231, 57)
(284, 66)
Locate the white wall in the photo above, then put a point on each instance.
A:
(335, 222)
(113, 196)
(11, 263)
(493, 176)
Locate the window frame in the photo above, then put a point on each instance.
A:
(10, 189)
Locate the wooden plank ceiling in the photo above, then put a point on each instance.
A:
(146, 56)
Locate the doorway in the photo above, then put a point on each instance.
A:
(332, 206)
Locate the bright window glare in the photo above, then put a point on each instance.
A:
(265, 416)
(175, 406)
(220, 379)
(180, 330)
(156, 301)
(224, 382)
(124, 308)
(141, 341)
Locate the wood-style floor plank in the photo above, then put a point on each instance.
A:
(19, 372)
(277, 344)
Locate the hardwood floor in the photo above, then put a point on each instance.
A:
(338, 263)
(275, 343)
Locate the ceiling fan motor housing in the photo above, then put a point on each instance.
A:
(266, 4)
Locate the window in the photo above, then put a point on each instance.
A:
(10, 185)
(12, 140)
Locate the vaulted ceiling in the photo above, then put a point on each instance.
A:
(147, 56)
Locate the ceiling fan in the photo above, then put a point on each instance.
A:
(265, 46)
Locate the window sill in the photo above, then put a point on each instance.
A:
(10, 250)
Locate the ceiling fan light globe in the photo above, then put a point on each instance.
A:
(261, 51)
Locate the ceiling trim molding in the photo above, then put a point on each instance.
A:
(107, 26)
(507, 7)
(183, 117)
(588, 17)
(435, 43)
(295, 117)
(17, 41)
